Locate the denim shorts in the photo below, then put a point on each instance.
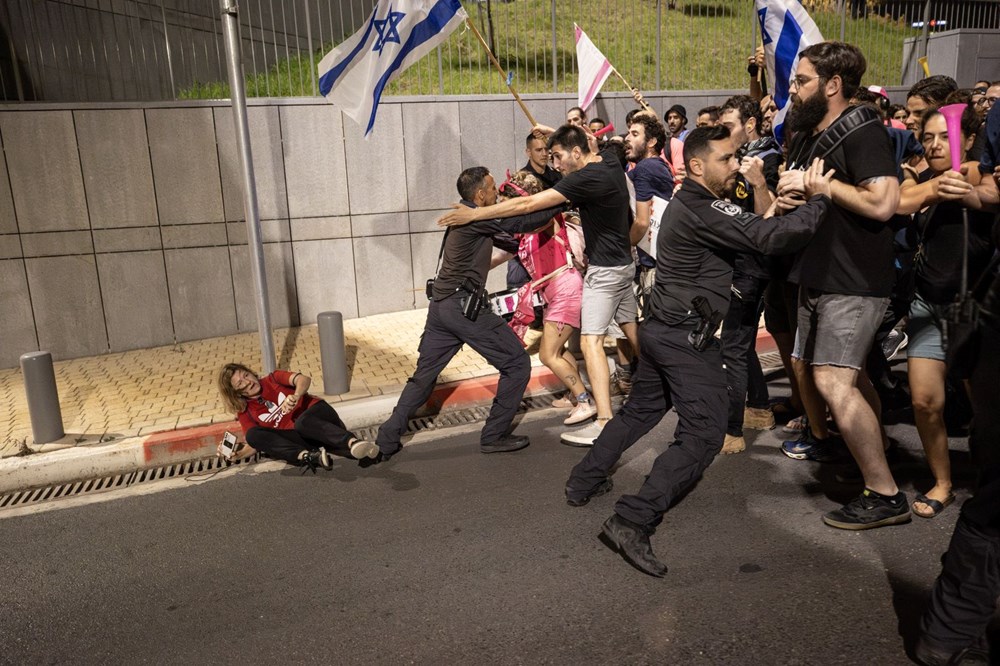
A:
(608, 297)
(837, 329)
(924, 331)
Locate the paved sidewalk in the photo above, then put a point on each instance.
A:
(111, 397)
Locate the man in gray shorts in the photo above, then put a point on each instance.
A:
(845, 276)
(596, 184)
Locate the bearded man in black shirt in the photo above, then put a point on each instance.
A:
(845, 275)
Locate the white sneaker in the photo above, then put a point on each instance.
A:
(361, 448)
(563, 403)
(584, 436)
(584, 411)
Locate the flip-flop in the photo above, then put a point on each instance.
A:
(936, 507)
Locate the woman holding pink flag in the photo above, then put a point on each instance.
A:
(548, 257)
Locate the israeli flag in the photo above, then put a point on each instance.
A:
(786, 29)
(397, 34)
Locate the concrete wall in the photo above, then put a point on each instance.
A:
(965, 55)
(121, 226)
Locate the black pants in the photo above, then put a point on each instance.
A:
(444, 334)
(318, 426)
(671, 374)
(744, 376)
(965, 594)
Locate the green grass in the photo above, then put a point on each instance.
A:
(704, 46)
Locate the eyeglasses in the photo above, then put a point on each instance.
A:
(800, 80)
(987, 101)
(979, 91)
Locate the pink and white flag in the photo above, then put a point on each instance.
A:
(593, 66)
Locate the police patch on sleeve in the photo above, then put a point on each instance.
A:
(732, 210)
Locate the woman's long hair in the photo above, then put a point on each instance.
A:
(235, 402)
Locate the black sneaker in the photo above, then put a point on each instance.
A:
(602, 488)
(870, 509)
(505, 444)
(310, 461)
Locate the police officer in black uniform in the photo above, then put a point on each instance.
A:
(459, 314)
(680, 360)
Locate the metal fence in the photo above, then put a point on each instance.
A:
(124, 50)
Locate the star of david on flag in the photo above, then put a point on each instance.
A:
(397, 34)
(388, 30)
(786, 29)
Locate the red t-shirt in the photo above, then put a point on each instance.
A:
(265, 409)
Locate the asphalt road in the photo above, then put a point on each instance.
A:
(447, 556)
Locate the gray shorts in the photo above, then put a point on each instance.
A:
(923, 328)
(607, 297)
(836, 329)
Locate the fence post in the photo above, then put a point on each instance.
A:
(843, 19)
(333, 353)
(659, 42)
(555, 58)
(440, 70)
(309, 45)
(170, 58)
(43, 397)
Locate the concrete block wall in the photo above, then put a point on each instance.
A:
(121, 225)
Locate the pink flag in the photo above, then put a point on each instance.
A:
(594, 68)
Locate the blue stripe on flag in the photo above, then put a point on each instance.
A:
(328, 80)
(785, 53)
(435, 22)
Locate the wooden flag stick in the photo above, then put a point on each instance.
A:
(496, 64)
(630, 88)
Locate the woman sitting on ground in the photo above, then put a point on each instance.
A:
(280, 419)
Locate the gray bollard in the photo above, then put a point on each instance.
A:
(333, 353)
(43, 397)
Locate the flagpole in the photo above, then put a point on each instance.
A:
(496, 64)
(630, 88)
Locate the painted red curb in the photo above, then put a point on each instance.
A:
(483, 389)
(163, 447)
(765, 342)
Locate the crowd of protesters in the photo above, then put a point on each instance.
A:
(844, 225)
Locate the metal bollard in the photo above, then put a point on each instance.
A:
(333, 353)
(43, 397)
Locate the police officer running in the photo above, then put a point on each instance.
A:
(459, 313)
(680, 359)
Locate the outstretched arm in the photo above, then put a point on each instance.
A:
(512, 207)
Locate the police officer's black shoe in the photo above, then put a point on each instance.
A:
(505, 444)
(632, 541)
(576, 499)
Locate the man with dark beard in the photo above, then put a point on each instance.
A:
(680, 360)
(845, 275)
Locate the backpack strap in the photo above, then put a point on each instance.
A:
(847, 124)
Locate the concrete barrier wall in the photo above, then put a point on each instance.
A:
(121, 225)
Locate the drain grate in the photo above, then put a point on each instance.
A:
(88, 486)
(213, 465)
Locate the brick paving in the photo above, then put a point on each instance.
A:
(110, 397)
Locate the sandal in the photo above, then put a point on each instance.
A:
(935, 506)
